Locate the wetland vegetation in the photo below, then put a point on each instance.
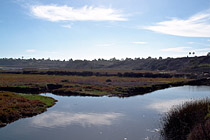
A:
(14, 106)
(189, 121)
(110, 85)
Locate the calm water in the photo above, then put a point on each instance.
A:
(102, 118)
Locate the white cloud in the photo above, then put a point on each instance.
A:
(30, 51)
(66, 13)
(177, 49)
(203, 49)
(55, 118)
(199, 52)
(67, 26)
(197, 43)
(197, 25)
(139, 42)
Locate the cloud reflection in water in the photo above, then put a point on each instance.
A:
(164, 106)
(55, 119)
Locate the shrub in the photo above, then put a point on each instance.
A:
(183, 120)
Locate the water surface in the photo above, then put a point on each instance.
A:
(102, 118)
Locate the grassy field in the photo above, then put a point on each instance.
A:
(23, 79)
(14, 106)
(91, 85)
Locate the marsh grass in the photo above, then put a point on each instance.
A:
(188, 121)
(14, 106)
(47, 100)
(31, 80)
(91, 85)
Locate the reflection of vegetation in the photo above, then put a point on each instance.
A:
(14, 106)
(189, 121)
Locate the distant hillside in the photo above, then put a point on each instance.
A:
(184, 64)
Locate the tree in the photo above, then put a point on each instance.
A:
(149, 57)
(113, 59)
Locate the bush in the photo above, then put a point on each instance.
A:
(183, 120)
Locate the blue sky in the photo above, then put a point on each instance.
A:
(90, 29)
